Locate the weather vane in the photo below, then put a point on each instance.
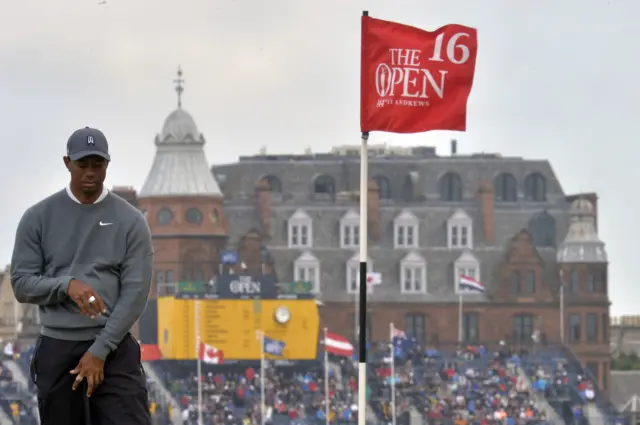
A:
(179, 82)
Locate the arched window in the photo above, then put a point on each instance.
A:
(193, 216)
(384, 187)
(535, 188)
(275, 185)
(415, 326)
(164, 216)
(542, 228)
(325, 186)
(505, 188)
(451, 187)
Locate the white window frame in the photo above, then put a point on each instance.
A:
(464, 265)
(413, 264)
(403, 224)
(349, 228)
(307, 268)
(300, 230)
(460, 231)
(353, 274)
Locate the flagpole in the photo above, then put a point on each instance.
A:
(460, 308)
(561, 307)
(362, 305)
(393, 375)
(262, 380)
(326, 380)
(364, 225)
(199, 362)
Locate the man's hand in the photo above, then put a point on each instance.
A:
(91, 368)
(81, 294)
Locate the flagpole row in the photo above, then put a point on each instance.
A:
(199, 361)
(393, 374)
(326, 380)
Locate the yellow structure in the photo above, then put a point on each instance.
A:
(232, 325)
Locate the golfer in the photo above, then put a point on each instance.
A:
(84, 257)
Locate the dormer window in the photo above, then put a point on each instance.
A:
(466, 265)
(353, 274)
(405, 230)
(350, 230)
(306, 268)
(460, 231)
(413, 274)
(300, 232)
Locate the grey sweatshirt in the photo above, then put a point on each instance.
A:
(106, 245)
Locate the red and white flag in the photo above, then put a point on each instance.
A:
(413, 80)
(338, 345)
(210, 354)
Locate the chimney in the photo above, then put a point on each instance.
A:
(454, 147)
(127, 193)
(263, 199)
(250, 255)
(373, 210)
(485, 195)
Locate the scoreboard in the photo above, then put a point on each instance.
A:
(231, 325)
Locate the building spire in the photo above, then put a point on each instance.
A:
(179, 82)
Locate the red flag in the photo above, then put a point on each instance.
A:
(210, 354)
(414, 80)
(339, 345)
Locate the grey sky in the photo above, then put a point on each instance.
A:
(555, 79)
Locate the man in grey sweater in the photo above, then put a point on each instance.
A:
(84, 257)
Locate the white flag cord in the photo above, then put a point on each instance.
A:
(326, 379)
(199, 362)
(393, 375)
(263, 409)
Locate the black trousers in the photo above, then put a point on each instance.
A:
(121, 399)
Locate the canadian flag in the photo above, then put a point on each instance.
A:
(338, 345)
(210, 354)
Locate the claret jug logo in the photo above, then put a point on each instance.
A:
(414, 77)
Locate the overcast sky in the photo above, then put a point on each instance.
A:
(554, 79)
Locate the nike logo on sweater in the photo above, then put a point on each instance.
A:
(104, 224)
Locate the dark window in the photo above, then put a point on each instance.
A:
(605, 375)
(592, 327)
(515, 282)
(573, 282)
(450, 187)
(535, 188)
(274, 183)
(604, 282)
(542, 228)
(415, 326)
(530, 286)
(384, 187)
(591, 282)
(164, 216)
(575, 326)
(505, 188)
(470, 328)
(169, 277)
(593, 367)
(324, 185)
(159, 276)
(193, 216)
(216, 216)
(368, 328)
(605, 328)
(523, 327)
(407, 189)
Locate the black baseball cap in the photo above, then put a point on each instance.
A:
(86, 142)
